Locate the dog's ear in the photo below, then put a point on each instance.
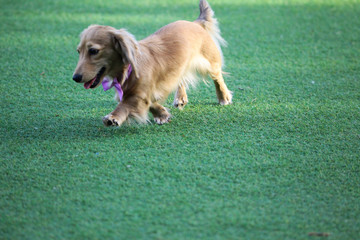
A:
(127, 46)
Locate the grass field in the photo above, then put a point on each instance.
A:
(280, 162)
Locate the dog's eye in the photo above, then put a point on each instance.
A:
(78, 51)
(93, 51)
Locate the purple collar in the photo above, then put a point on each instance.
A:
(107, 83)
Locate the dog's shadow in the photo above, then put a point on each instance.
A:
(77, 127)
(72, 129)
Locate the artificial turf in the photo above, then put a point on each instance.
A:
(280, 162)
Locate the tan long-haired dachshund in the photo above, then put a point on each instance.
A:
(145, 72)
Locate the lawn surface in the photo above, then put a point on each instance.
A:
(280, 162)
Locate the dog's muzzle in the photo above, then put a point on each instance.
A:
(93, 83)
(77, 77)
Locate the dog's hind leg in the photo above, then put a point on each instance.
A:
(161, 115)
(223, 94)
(180, 99)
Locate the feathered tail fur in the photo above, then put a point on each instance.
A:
(207, 20)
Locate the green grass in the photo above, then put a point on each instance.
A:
(281, 162)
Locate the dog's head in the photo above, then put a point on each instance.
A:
(104, 51)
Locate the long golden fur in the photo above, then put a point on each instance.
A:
(168, 60)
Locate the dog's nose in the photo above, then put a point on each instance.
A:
(77, 77)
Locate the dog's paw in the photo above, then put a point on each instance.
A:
(110, 120)
(163, 119)
(226, 99)
(180, 102)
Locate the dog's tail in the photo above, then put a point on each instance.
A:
(210, 24)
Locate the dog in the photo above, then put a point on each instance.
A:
(145, 72)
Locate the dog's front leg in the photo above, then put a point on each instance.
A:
(161, 115)
(136, 107)
(118, 116)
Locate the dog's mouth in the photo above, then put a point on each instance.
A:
(96, 80)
